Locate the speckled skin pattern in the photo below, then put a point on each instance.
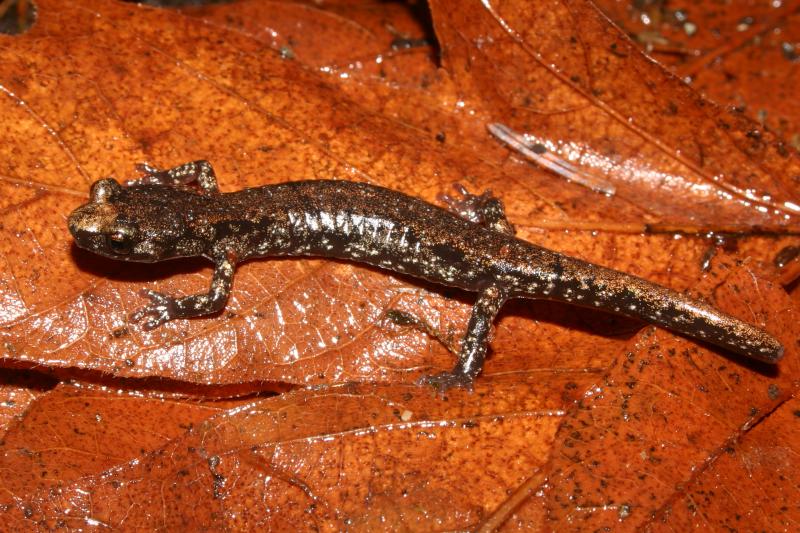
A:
(161, 216)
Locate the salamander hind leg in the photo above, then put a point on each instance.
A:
(200, 172)
(484, 209)
(475, 343)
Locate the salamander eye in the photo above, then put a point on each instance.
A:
(120, 242)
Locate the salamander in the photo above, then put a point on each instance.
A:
(471, 245)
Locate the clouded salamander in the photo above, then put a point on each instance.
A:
(181, 212)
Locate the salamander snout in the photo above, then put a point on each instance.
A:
(91, 219)
(95, 227)
(98, 215)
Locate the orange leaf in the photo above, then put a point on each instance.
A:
(578, 419)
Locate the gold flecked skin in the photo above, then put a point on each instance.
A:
(160, 217)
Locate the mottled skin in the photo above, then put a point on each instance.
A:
(160, 216)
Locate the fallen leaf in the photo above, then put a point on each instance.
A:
(745, 56)
(763, 464)
(580, 89)
(657, 423)
(161, 429)
(17, 391)
(77, 431)
(299, 461)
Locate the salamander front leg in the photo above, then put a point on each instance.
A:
(484, 209)
(474, 345)
(200, 172)
(164, 308)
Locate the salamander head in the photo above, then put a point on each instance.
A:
(139, 223)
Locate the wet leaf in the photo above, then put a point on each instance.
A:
(665, 413)
(577, 87)
(746, 55)
(72, 432)
(169, 428)
(661, 420)
(299, 461)
(17, 391)
(764, 464)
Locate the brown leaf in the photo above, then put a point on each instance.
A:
(349, 90)
(291, 461)
(366, 456)
(744, 56)
(664, 414)
(764, 465)
(581, 89)
(73, 432)
(17, 391)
